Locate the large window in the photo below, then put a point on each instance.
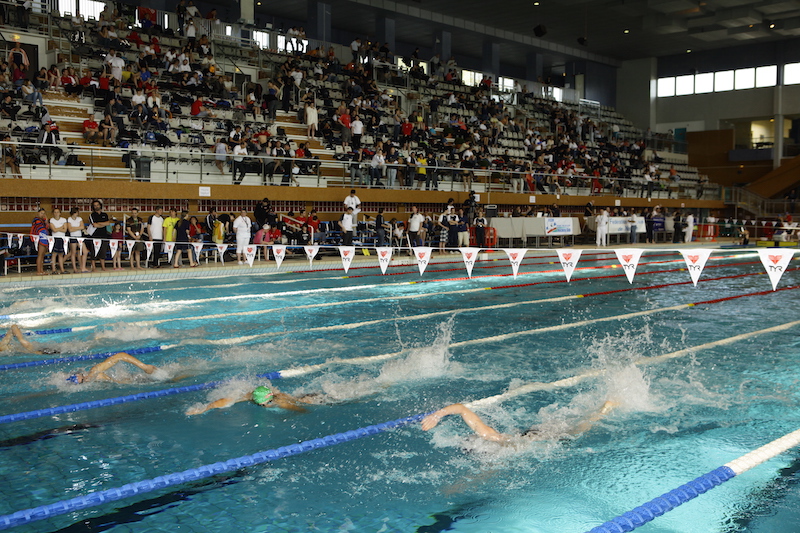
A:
(261, 38)
(505, 84)
(791, 74)
(726, 80)
(745, 78)
(767, 76)
(704, 83)
(471, 78)
(723, 81)
(666, 87)
(684, 85)
(87, 8)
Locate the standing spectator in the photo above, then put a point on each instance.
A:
(135, 229)
(414, 225)
(688, 228)
(75, 227)
(155, 231)
(180, 10)
(358, 129)
(381, 227)
(602, 228)
(312, 119)
(115, 64)
(355, 47)
(242, 226)
(346, 224)
(58, 230)
(39, 229)
(182, 238)
(99, 222)
(169, 225)
(480, 229)
(221, 151)
(239, 163)
(17, 56)
(353, 201)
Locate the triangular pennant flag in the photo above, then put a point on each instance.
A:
(148, 245)
(35, 239)
(695, 262)
(569, 260)
(515, 256)
(169, 247)
(775, 261)
(469, 255)
(80, 243)
(311, 252)
(629, 259)
(51, 243)
(250, 253)
(129, 243)
(97, 243)
(735, 221)
(384, 257)
(347, 253)
(423, 254)
(221, 252)
(764, 222)
(198, 247)
(19, 240)
(113, 244)
(279, 251)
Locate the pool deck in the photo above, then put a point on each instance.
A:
(292, 263)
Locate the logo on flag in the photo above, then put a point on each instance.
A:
(384, 258)
(422, 254)
(775, 262)
(629, 260)
(695, 263)
(515, 256)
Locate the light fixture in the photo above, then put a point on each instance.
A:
(772, 25)
(536, 3)
(626, 31)
(688, 50)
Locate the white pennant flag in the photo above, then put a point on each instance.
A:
(423, 254)
(198, 247)
(384, 257)
(221, 252)
(629, 259)
(35, 240)
(569, 260)
(311, 252)
(10, 237)
(775, 261)
(19, 240)
(148, 245)
(735, 221)
(129, 243)
(169, 247)
(113, 244)
(80, 243)
(51, 243)
(347, 253)
(469, 255)
(250, 254)
(97, 243)
(279, 251)
(515, 256)
(764, 222)
(695, 262)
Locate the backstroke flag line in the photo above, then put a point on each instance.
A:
(279, 251)
(469, 255)
(384, 257)
(515, 256)
(569, 260)
(775, 261)
(629, 259)
(695, 262)
(347, 253)
(423, 254)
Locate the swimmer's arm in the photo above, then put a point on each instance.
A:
(222, 403)
(288, 402)
(29, 347)
(477, 425)
(587, 424)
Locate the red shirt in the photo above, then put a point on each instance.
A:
(345, 120)
(313, 223)
(89, 125)
(196, 105)
(407, 128)
(103, 81)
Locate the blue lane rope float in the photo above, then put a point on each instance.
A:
(93, 499)
(88, 357)
(107, 402)
(672, 499)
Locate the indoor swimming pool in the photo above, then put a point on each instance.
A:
(376, 348)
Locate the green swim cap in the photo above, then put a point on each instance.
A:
(262, 395)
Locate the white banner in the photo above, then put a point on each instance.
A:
(221, 252)
(384, 257)
(622, 225)
(629, 259)
(515, 256)
(169, 247)
(695, 262)
(423, 254)
(148, 245)
(557, 226)
(198, 247)
(775, 261)
(347, 253)
(469, 255)
(113, 244)
(569, 260)
(250, 254)
(279, 251)
(311, 253)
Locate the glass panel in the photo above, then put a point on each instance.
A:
(684, 85)
(666, 87)
(704, 83)
(767, 76)
(745, 78)
(723, 81)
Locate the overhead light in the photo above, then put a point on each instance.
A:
(626, 31)
(536, 3)
(772, 25)
(688, 50)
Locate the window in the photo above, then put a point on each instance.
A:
(291, 44)
(684, 85)
(87, 8)
(723, 81)
(505, 84)
(558, 94)
(261, 38)
(745, 78)
(471, 78)
(767, 76)
(165, 24)
(228, 30)
(791, 74)
(666, 87)
(704, 83)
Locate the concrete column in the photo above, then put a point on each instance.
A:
(777, 146)
(385, 32)
(319, 21)
(491, 59)
(534, 66)
(247, 13)
(443, 45)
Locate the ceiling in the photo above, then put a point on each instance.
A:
(615, 30)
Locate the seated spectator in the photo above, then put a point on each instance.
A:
(31, 94)
(69, 82)
(199, 110)
(9, 108)
(91, 131)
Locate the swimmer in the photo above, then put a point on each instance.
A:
(263, 396)
(98, 371)
(14, 331)
(487, 432)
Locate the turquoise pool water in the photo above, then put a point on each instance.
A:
(676, 419)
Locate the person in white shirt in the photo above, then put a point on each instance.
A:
(241, 226)
(312, 119)
(357, 128)
(115, 64)
(239, 153)
(58, 229)
(346, 224)
(155, 230)
(687, 231)
(377, 168)
(352, 201)
(75, 227)
(414, 224)
(602, 228)
(138, 98)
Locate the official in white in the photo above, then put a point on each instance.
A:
(241, 226)
(602, 228)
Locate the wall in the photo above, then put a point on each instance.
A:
(708, 151)
(635, 100)
(729, 58)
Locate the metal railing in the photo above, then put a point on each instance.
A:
(757, 205)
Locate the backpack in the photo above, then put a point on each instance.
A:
(150, 136)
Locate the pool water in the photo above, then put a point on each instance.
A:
(675, 419)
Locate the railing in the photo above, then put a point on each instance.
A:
(755, 204)
(199, 166)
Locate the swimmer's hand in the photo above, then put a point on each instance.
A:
(430, 421)
(196, 410)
